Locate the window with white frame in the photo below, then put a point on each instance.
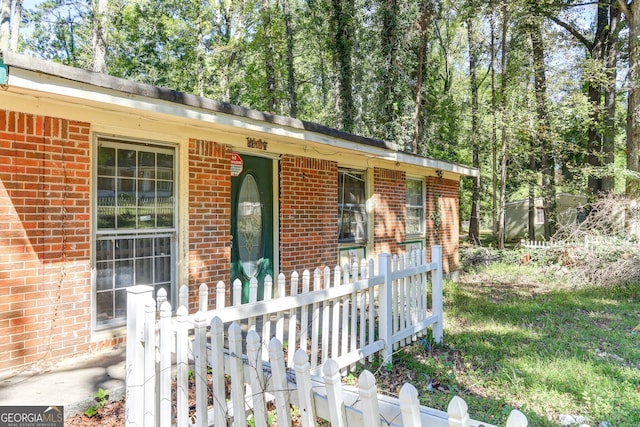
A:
(539, 219)
(135, 217)
(352, 213)
(414, 225)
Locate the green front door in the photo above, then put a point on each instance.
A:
(252, 223)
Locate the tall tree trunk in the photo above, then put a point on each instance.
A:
(342, 25)
(270, 69)
(388, 99)
(594, 93)
(291, 76)
(597, 144)
(16, 17)
(546, 143)
(231, 25)
(423, 28)
(5, 18)
(611, 61)
(200, 49)
(533, 172)
(99, 35)
(358, 56)
(319, 49)
(531, 211)
(474, 222)
(633, 115)
(504, 138)
(494, 125)
(632, 12)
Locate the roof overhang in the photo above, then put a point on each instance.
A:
(36, 75)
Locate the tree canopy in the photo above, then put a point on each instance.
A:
(540, 95)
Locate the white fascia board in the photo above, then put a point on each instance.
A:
(426, 162)
(85, 93)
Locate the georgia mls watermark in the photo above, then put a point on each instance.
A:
(31, 416)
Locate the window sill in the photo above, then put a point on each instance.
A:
(108, 332)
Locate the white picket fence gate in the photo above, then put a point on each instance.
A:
(332, 326)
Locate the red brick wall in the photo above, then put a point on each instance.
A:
(390, 195)
(45, 282)
(308, 214)
(45, 279)
(209, 217)
(443, 219)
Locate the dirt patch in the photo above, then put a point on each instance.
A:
(112, 414)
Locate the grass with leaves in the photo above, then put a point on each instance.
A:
(517, 339)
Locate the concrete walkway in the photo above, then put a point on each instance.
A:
(71, 383)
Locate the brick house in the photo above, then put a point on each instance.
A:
(105, 183)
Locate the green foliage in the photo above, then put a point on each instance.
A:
(101, 397)
(517, 340)
(472, 259)
(60, 32)
(233, 51)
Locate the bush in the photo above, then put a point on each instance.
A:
(473, 258)
(602, 250)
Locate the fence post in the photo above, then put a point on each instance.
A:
(200, 361)
(203, 297)
(436, 288)
(335, 398)
(304, 317)
(216, 361)
(237, 375)
(136, 295)
(315, 327)
(253, 290)
(182, 366)
(409, 406)
(166, 338)
(369, 397)
(280, 382)
(253, 297)
(161, 297)
(280, 293)
(326, 313)
(517, 419)
(305, 388)
(220, 295)
(150, 362)
(256, 379)
(266, 319)
(237, 293)
(183, 296)
(458, 412)
(335, 315)
(292, 321)
(385, 325)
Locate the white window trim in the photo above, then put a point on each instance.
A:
(366, 175)
(99, 332)
(421, 234)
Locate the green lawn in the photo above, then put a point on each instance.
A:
(515, 339)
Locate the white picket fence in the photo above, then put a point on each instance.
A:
(587, 242)
(332, 326)
(537, 244)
